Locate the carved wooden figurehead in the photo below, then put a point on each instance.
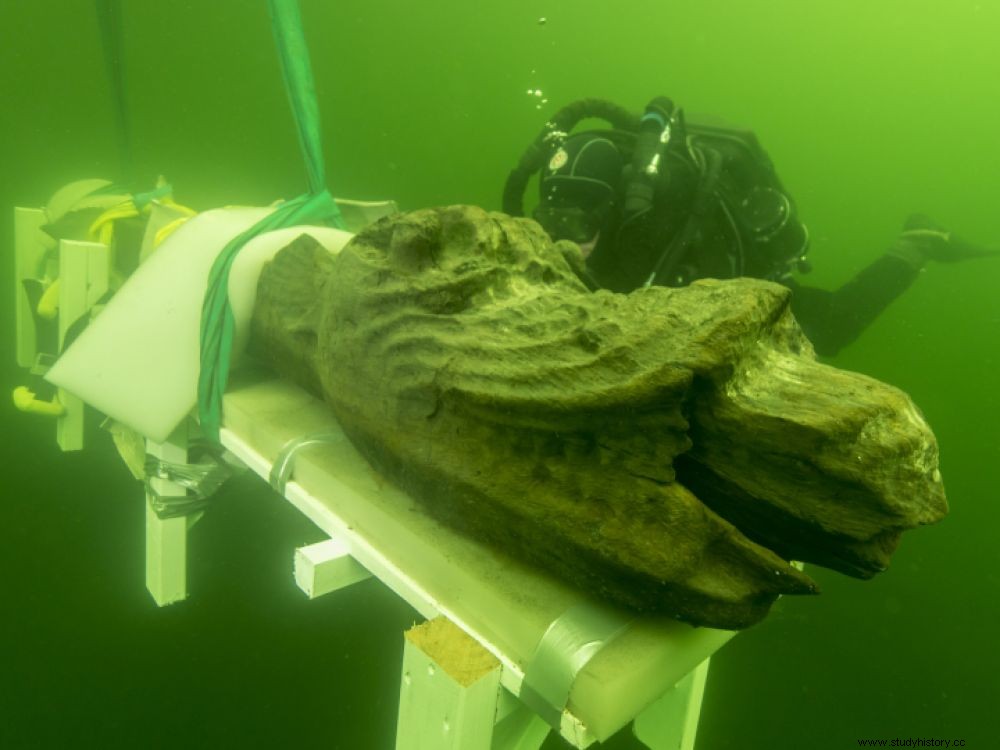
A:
(669, 450)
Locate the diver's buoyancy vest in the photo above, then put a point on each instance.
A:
(763, 214)
(720, 212)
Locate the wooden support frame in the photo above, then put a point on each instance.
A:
(451, 699)
(451, 691)
(446, 701)
(166, 538)
(363, 504)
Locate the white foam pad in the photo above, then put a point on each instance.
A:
(138, 361)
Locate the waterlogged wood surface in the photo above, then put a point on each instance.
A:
(669, 450)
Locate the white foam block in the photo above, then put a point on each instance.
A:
(138, 362)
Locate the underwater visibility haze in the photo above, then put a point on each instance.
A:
(869, 110)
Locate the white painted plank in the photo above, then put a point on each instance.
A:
(83, 278)
(521, 729)
(448, 692)
(325, 567)
(166, 539)
(166, 558)
(671, 723)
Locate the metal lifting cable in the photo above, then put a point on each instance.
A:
(315, 207)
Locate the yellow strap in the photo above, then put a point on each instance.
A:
(168, 201)
(103, 228)
(168, 229)
(25, 401)
(48, 305)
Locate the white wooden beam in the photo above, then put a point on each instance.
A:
(83, 279)
(449, 690)
(166, 538)
(671, 723)
(518, 729)
(326, 566)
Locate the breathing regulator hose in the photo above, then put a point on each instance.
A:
(551, 136)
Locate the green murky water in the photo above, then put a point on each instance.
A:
(870, 110)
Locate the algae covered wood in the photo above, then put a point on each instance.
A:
(669, 450)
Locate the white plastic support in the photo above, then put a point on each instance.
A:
(29, 252)
(326, 566)
(449, 690)
(671, 723)
(83, 279)
(166, 538)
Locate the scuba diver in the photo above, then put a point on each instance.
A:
(660, 199)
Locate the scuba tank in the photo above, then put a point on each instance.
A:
(647, 159)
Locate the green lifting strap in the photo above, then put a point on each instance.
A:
(141, 200)
(315, 207)
(297, 72)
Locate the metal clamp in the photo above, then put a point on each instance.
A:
(281, 469)
(200, 480)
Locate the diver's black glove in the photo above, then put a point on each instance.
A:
(923, 239)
